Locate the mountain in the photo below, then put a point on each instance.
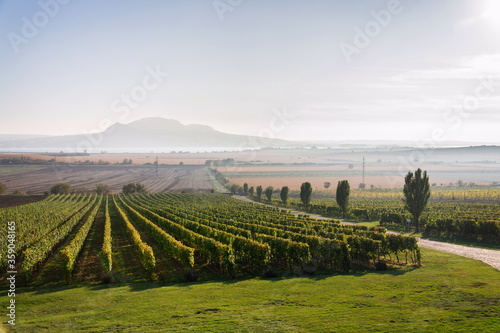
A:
(15, 137)
(149, 133)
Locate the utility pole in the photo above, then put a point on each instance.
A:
(363, 170)
(156, 166)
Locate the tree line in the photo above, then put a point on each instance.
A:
(416, 194)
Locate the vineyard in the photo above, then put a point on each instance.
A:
(166, 237)
(476, 218)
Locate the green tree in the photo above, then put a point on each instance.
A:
(245, 188)
(306, 193)
(416, 194)
(269, 193)
(102, 189)
(250, 191)
(234, 188)
(284, 194)
(259, 192)
(60, 188)
(327, 184)
(134, 188)
(342, 196)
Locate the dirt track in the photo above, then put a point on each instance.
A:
(490, 257)
(170, 178)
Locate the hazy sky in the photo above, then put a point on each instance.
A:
(333, 70)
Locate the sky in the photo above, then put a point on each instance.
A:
(418, 70)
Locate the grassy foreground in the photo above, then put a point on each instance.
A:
(448, 294)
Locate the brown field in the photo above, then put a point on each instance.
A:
(384, 169)
(84, 178)
(16, 200)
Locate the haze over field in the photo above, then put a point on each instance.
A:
(419, 71)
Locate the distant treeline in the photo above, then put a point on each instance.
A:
(226, 161)
(25, 160)
(36, 161)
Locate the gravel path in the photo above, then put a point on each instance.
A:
(490, 257)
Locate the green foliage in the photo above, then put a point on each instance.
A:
(245, 188)
(269, 193)
(234, 188)
(71, 251)
(60, 188)
(37, 252)
(134, 188)
(284, 194)
(416, 194)
(342, 195)
(107, 253)
(102, 189)
(470, 229)
(219, 176)
(229, 236)
(306, 193)
(259, 192)
(224, 162)
(448, 294)
(179, 252)
(144, 251)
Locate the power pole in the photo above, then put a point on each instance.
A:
(156, 166)
(363, 170)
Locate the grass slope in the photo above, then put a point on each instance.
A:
(448, 294)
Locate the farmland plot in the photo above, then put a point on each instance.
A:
(163, 236)
(169, 178)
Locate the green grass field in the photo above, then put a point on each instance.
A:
(447, 294)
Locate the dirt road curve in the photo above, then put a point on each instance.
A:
(490, 257)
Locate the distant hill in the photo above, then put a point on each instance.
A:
(16, 137)
(149, 133)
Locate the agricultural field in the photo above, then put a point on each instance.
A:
(384, 167)
(378, 175)
(182, 236)
(466, 214)
(447, 294)
(211, 262)
(131, 262)
(84, 178)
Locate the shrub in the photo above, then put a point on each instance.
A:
(60, 188)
